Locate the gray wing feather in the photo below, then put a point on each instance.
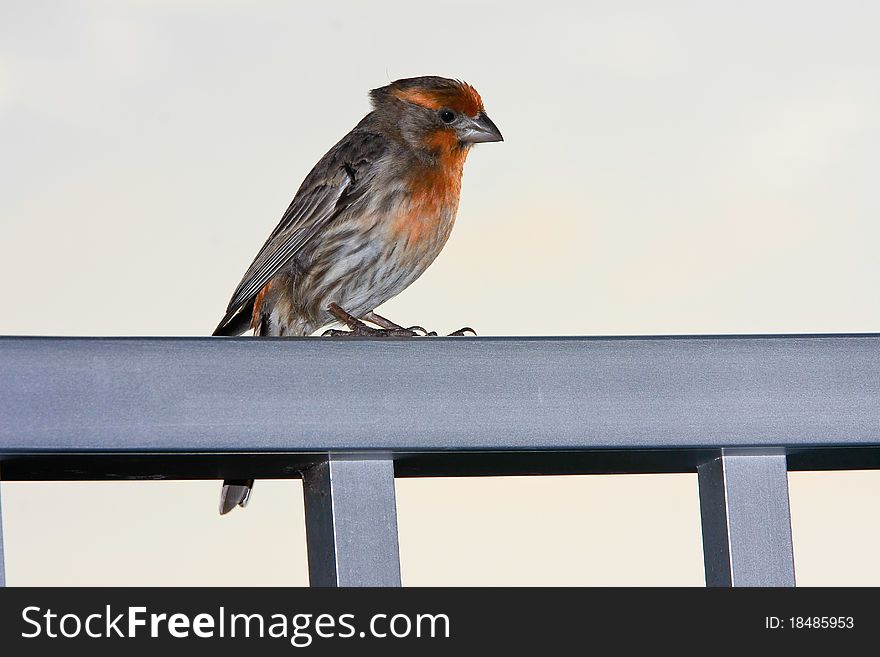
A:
(339, 179)
(298, 225)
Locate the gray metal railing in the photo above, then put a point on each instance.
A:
(348, 415)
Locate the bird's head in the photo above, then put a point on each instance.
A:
(435, 113)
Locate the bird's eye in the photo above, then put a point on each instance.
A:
(447, 116)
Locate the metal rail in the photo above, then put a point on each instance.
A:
(348, 415)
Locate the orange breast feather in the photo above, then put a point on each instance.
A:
(434, 193)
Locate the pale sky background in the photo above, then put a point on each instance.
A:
(675, 167)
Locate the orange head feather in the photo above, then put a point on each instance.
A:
(435, 93)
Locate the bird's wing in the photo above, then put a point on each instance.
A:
(338, 180)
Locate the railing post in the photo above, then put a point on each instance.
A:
(746, 519)
(351, 523)
(2, 558)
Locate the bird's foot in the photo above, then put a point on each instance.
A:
(459, 333)
(358, 329)
(388, 329)
(378, 320)
(365, 331)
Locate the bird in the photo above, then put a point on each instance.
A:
(366, 222)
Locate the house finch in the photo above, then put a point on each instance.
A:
(369, 218)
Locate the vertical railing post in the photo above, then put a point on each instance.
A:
(746, 519)
(2, 558)
(351, 523)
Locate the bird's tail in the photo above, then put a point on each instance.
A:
(236, 322)
(236, 492)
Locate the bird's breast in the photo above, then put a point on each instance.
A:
(423, 218)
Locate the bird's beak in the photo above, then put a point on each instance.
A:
(481, 129)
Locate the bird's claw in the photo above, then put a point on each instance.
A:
(357, 328)
(335, 333)
(411, 332)
(364, 331)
